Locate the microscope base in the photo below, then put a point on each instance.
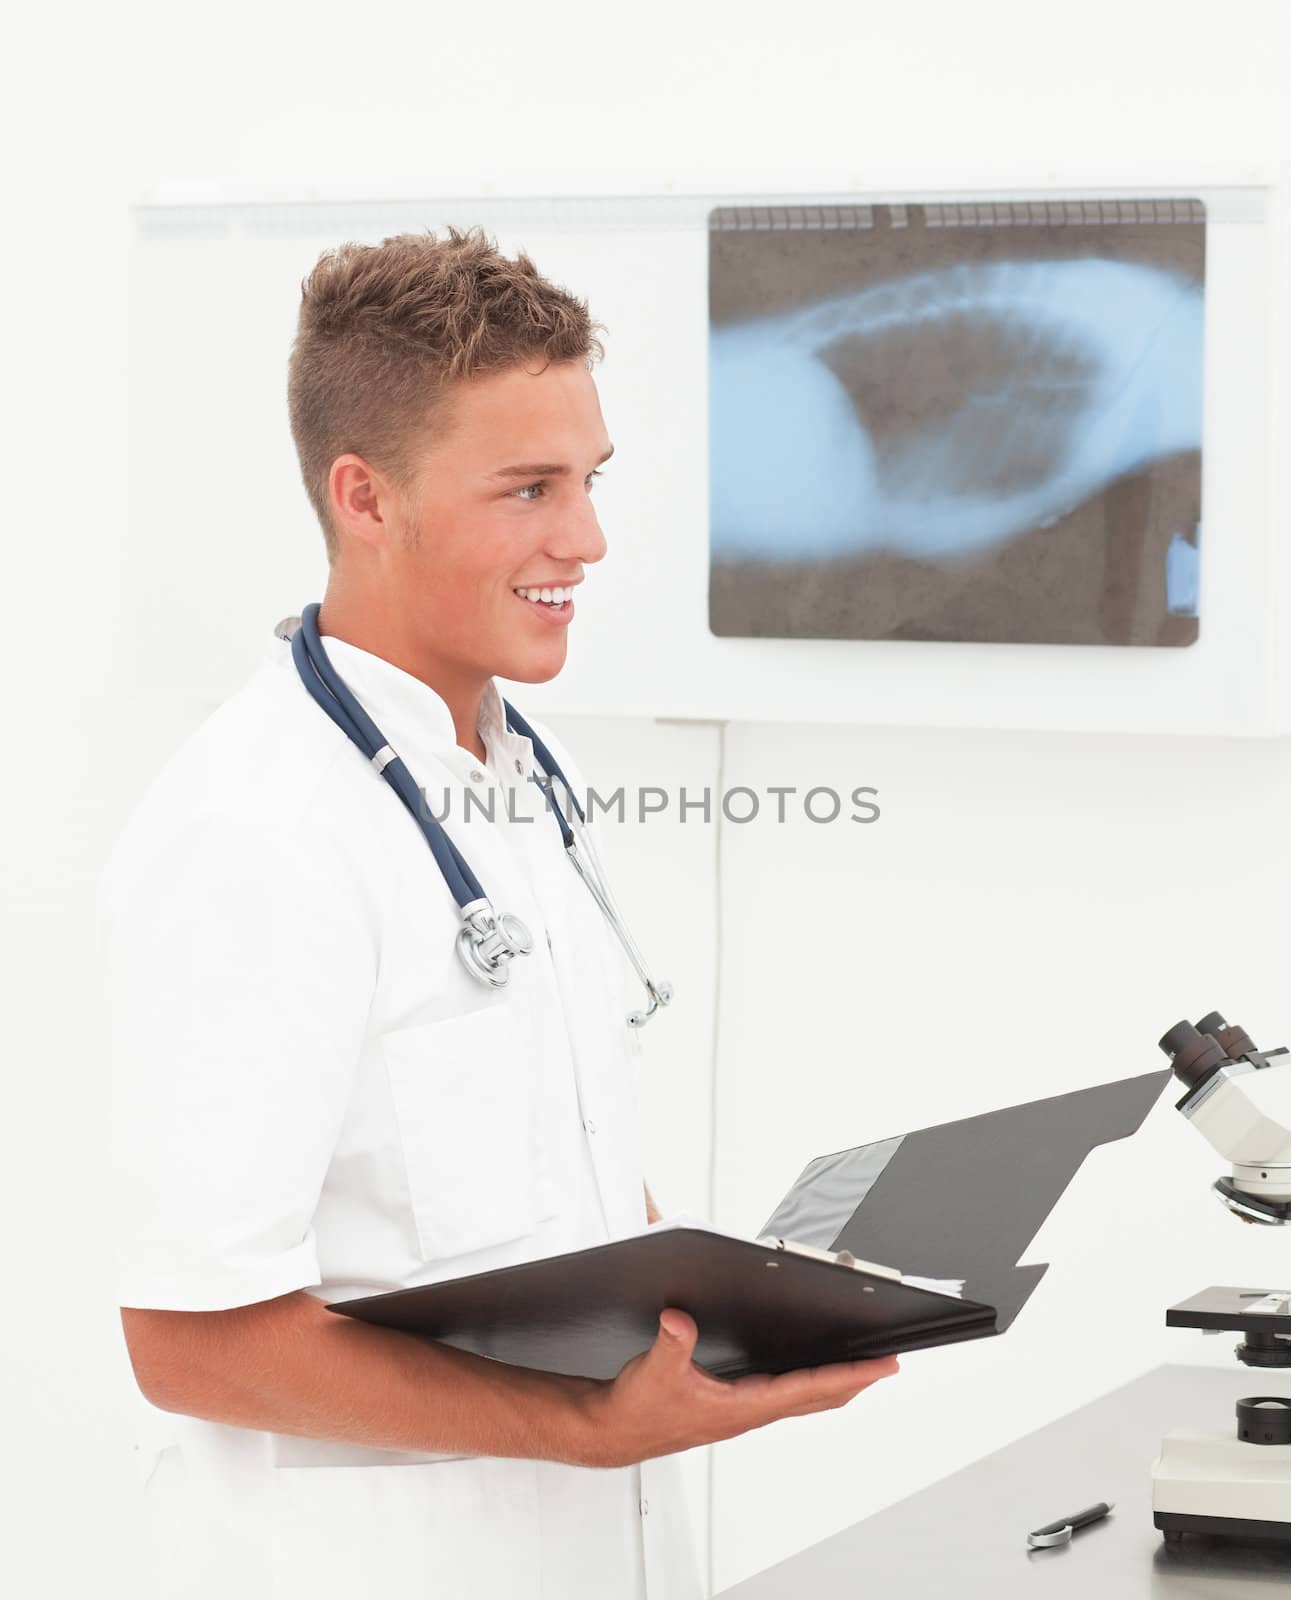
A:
(1173, 1527)
(1215, 1483)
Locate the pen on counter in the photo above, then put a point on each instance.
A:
(1060, 1532)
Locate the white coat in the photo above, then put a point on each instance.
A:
(311, 1093)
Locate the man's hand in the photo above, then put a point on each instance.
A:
(662, 1402)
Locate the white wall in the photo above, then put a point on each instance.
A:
(1042, 872)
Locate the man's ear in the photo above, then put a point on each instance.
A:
(362, 501)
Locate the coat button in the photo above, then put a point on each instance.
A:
(519, 764)
(645, 1508)
(589, 1125)
(476, 775)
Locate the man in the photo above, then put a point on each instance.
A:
(314, 1100)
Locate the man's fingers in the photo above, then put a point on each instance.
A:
(662, 1401)
(836, 1385)
(818, 1388)
(678, 1335)
(829, 1402)
(846, 1378)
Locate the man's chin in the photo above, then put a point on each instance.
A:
(533, 667)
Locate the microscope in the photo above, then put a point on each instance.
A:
(1236, 1483)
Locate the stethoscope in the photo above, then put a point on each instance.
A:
(488, 940)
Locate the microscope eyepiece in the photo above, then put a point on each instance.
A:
(1193, 1055)
(1182, 1034)
(1233, 1040)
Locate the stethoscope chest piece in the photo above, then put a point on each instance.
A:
(487, 940)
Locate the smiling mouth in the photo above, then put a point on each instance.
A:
(551, 598)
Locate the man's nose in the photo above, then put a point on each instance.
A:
(578, 536)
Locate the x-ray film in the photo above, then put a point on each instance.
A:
(957, 422)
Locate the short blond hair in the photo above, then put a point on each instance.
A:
(385, 331)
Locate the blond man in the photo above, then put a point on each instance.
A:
(314, 1100)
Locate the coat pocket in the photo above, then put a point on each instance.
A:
(464, 1100)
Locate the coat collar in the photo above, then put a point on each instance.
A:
(416, 720)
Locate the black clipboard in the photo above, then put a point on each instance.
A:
(961, 1200)
(758, 1308)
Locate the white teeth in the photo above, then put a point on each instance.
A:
(551, 597)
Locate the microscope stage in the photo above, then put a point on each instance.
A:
(1234, 1308)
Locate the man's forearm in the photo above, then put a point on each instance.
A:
(291, 1366)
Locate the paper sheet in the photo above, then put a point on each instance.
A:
(682, 1219)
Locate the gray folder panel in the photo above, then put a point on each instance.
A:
(964, 1199)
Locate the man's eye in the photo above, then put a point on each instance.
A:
(535, 491)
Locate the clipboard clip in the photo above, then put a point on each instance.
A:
(837, 1258)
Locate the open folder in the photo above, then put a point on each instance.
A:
(861, 1258)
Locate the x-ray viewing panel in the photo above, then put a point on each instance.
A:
(958, 421)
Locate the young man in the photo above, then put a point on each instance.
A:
(314, 1099)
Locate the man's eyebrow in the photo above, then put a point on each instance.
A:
(542, 469)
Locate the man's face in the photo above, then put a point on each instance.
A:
(501, 502)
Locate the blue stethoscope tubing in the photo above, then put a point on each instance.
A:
(327, 688)
(488, 940)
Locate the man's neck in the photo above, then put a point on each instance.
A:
(343, 617)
